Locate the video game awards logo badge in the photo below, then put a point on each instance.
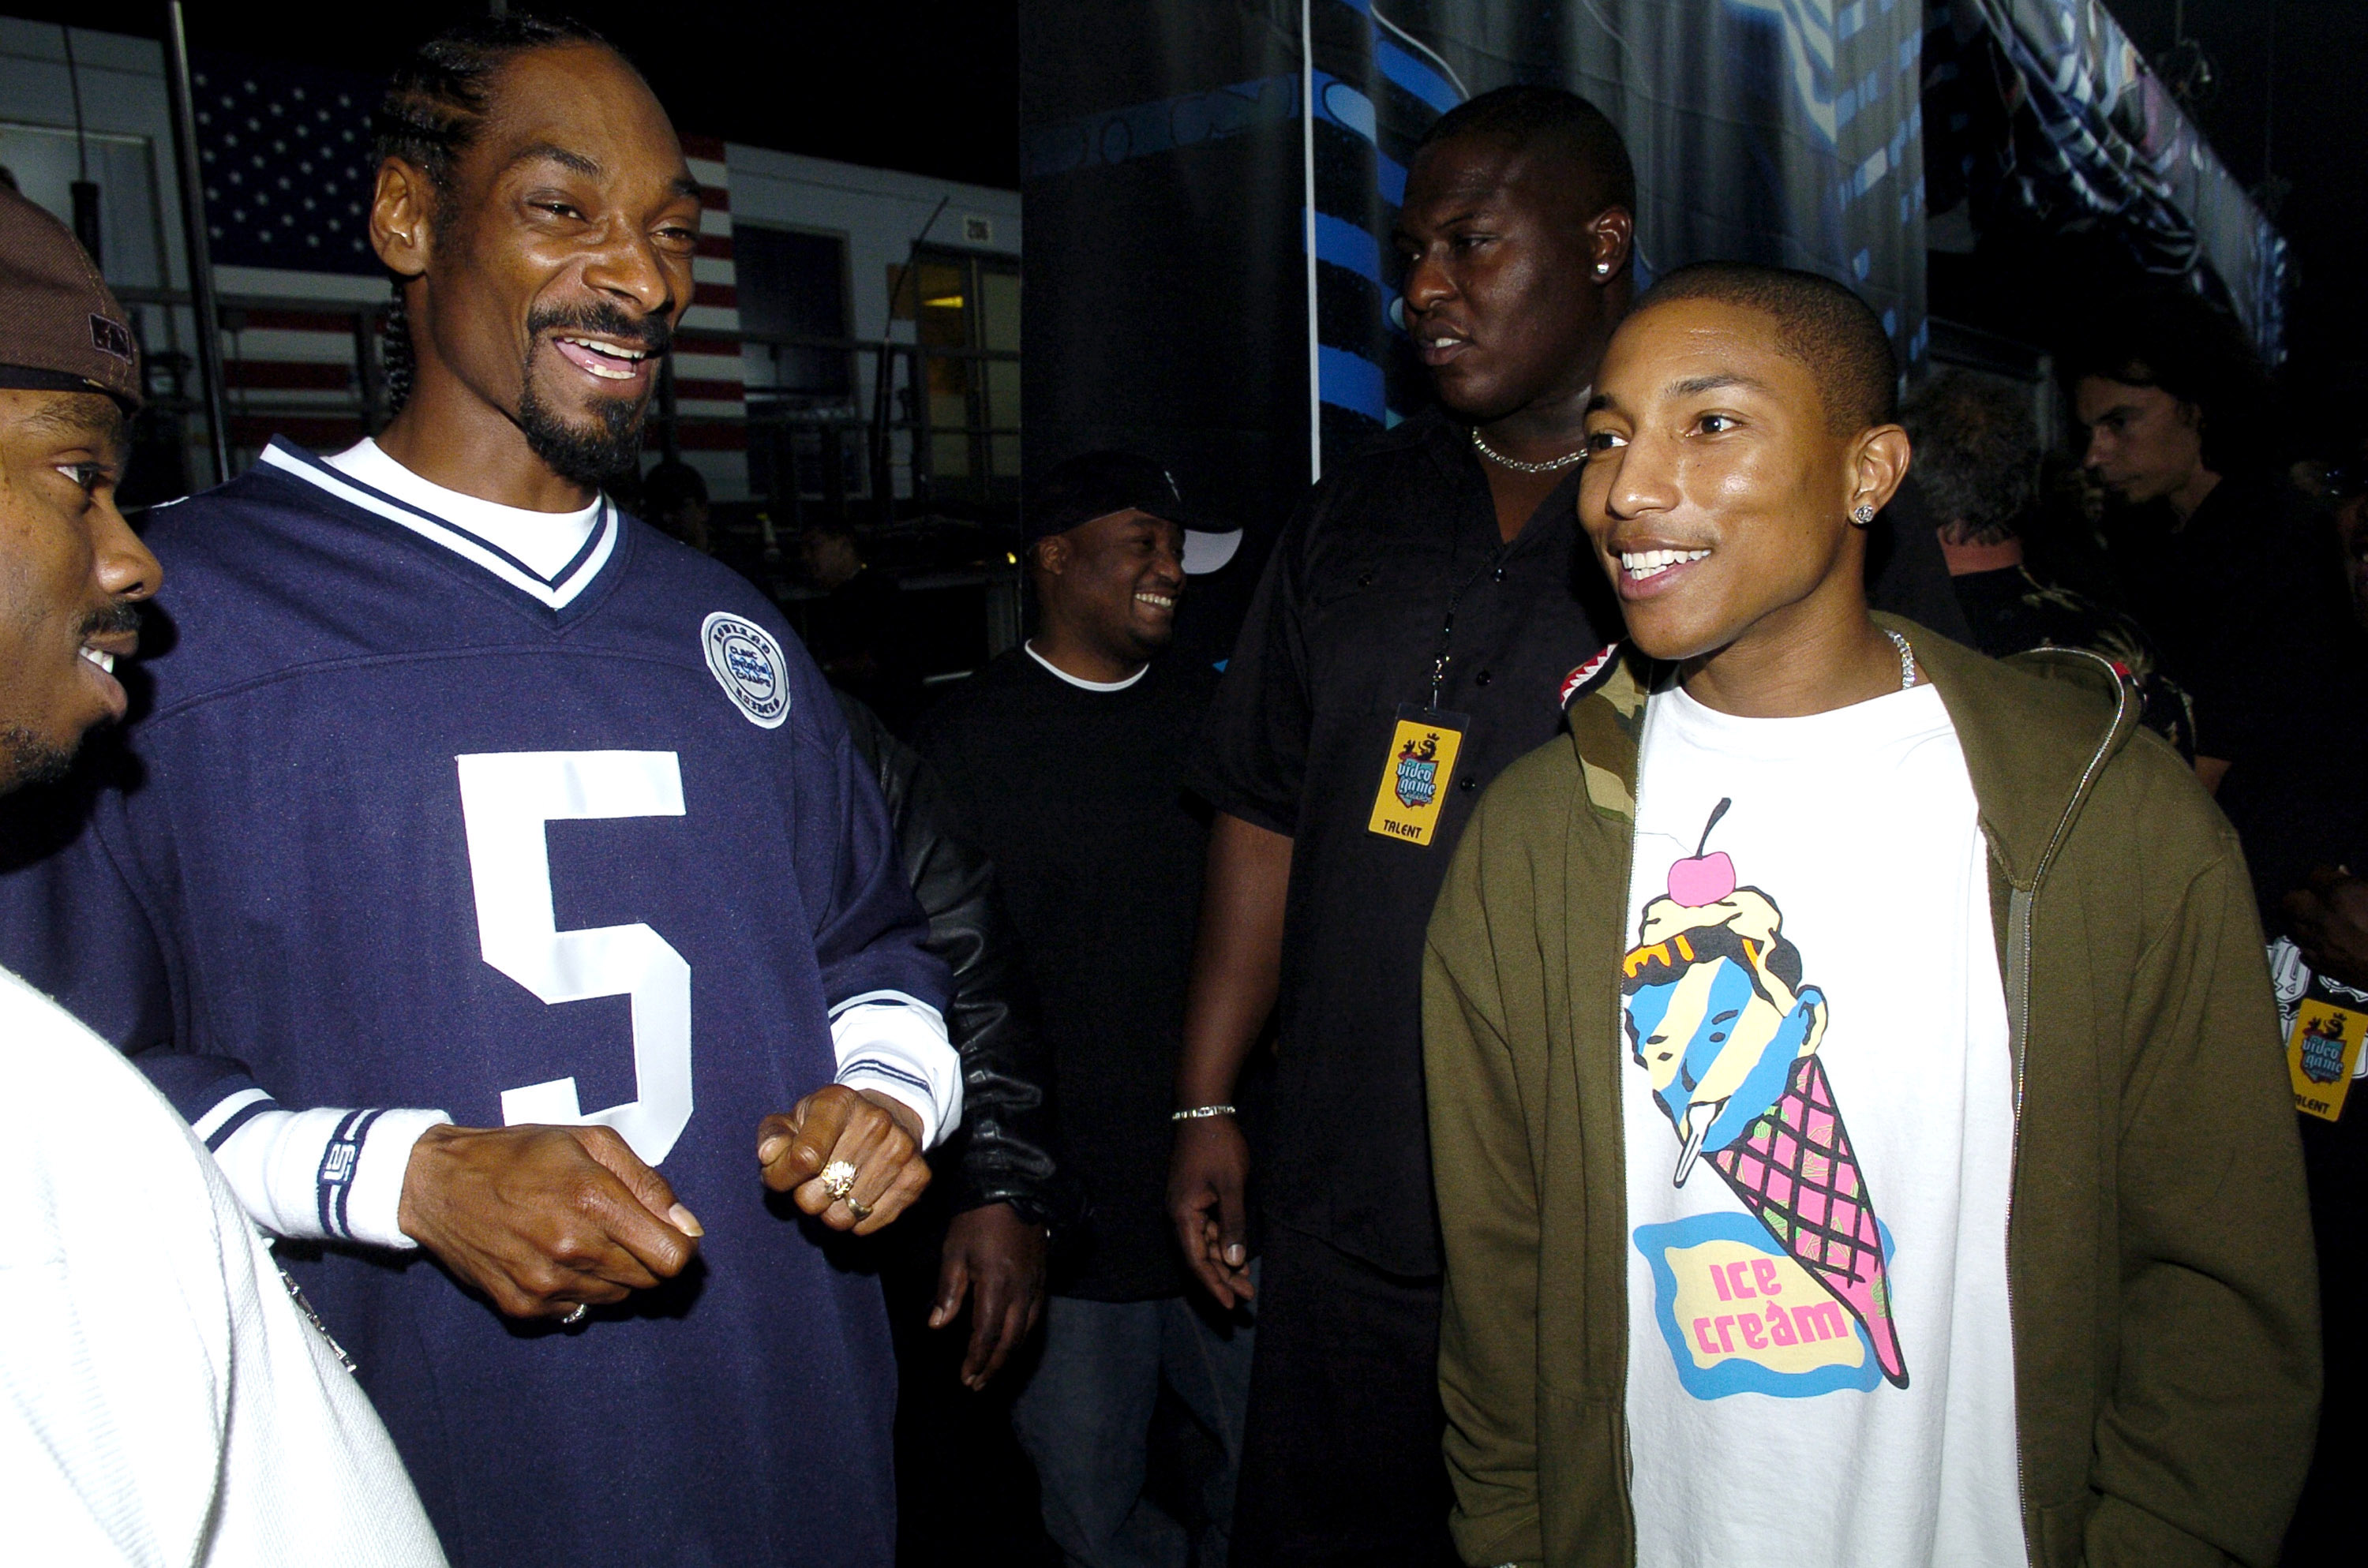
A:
(1419, 771)
(2321, 1041)
(749, 665)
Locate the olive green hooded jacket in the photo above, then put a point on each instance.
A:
(2160, 1275)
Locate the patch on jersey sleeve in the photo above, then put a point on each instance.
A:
(1589, 675)
(749, 665)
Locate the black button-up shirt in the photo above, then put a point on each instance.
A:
(1346, 626)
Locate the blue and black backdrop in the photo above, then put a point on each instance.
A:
(1178, 156)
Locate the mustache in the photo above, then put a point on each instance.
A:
(651, 332)
(122, 615)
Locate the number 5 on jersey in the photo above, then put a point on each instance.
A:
(505, 799)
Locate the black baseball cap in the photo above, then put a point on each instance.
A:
(1097, 484)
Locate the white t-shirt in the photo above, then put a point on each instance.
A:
(163, 1400)
(546, 541)
(1820, 1363)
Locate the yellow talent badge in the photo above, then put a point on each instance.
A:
(2320, 1054)
(1416, 777)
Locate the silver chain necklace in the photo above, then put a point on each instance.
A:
(1517, 465)
(1907, 660)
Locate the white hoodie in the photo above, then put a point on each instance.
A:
(163, 1398)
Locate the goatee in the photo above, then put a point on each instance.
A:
(588, 455)
(26, 760)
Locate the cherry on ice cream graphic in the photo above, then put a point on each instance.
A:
(1703, 878)
(1717, 1015)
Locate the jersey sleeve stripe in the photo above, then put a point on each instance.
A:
(886, 999)
(875, 1067)
(228, 1114)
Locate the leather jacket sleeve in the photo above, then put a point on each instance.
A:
(1002, 1152)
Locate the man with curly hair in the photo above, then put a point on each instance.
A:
(1977, 460)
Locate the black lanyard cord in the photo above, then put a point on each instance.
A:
(1455, 597)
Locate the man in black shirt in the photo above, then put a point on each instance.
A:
(1406, 645)
(1066, 759)
(2247, 592)
(1977, 456)
(2213, 550)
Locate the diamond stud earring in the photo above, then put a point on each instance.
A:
(1863, 516)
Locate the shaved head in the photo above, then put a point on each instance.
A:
(1554, 122)
(1818, 322)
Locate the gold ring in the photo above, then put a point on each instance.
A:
(860, 1210)
(577, 1316)
(838, 1179)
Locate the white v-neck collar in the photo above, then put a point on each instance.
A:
(519, 547)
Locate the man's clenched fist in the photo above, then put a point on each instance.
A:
(544, 1218)
(879, 1137)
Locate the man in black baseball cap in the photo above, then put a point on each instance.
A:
(1066, 760)
(1101, 484)
(164, 1399)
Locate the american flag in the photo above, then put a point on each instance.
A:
(284, 150)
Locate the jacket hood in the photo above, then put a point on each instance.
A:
(2037, 730)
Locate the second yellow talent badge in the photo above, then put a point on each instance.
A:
(2320, 1054)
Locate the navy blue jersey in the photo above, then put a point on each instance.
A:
(398, 833)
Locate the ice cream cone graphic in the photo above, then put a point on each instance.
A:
(1716, 1013)
(1795, 1171)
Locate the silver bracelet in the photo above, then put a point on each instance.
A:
(1202, 1113)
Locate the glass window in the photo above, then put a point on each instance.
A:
(1003, 394)
(792, 285)
(945, 303)
(965, 310)
(43, 162)
(999, 316)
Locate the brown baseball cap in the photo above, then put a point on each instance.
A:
(60, 330)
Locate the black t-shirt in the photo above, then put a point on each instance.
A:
(2310, 810)
(1345, 627)
(1078, 797)
(2246, 603)
(2010, 611)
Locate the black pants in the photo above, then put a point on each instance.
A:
(1340, 1457)
(965, 1493)
(2327, 1526)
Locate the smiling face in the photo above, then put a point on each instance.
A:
(2143, 443)
(1718, 488)
(1113, 584)
(70, 577)
(550, 275)
(1502, 295)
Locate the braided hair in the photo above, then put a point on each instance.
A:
(434, 108)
